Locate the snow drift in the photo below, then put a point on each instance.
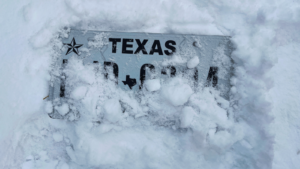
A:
(161, 128)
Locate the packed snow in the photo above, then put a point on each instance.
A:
(187, 117)
(170, 124)
(152, 84)
(192, 63)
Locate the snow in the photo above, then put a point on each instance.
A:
(193, 62)
(63, 109)
(112, 109)
(79, 92)
(152, 84)
(57, 137)
(64, 166)
(257, 128)
(99, 41)
(186, 116)
(48, 107)
(177, 92)
(285, 96)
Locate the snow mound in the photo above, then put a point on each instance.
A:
(177, 127)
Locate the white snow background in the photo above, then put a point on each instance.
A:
(258, 128)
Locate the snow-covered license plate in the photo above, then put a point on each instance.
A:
(133, 58)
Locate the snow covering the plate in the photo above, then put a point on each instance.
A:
(174, 126)
(152, 84)
(79, 92)
(187, 116)
(63, 109)
(177, 92)
(193, 62)
(112, 109)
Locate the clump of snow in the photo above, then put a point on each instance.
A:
(112, 110)
(152, 84)
(176, 92)
(63, 109)
(77, 72)
(193, 62)
(79, 92)
(186, 116)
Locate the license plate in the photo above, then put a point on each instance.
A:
(135, 57)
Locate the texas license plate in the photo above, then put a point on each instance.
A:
(134, 57)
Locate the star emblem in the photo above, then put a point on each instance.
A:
(73, 47)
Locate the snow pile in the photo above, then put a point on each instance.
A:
(169, 125)
(119, 129)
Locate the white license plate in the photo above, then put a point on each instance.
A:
(130, 56)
